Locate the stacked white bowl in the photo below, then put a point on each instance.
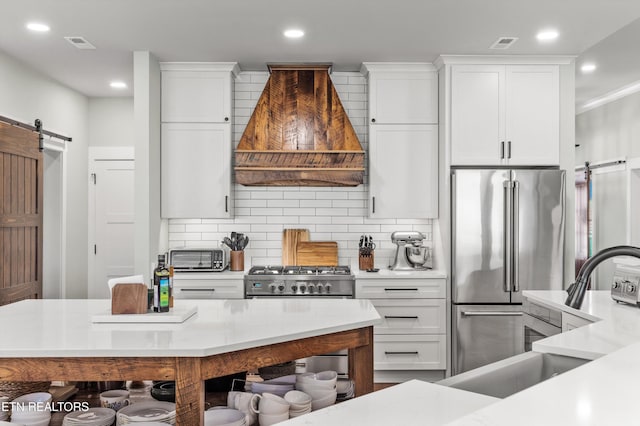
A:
(299, 403)
(222, 416)
(92, 416)
(272, 409)
(30, 409)
(321, 387)
(345, 389)
(148, 411)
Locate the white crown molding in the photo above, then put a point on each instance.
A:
(503, 60)
(368, 67)
(201, 66)
(611, 96)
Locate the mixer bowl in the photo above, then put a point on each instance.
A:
(417, 255)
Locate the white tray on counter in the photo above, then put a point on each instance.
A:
(177, 314)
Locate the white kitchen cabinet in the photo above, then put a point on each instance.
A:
(403, 171)
(412, 335)
(505, 115)
(196, 170)
(197, 92)
(402, 93)
(570, 321)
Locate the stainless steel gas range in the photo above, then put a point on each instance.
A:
(328, 282)
(300, 281)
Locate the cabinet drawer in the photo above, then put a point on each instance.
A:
(208, 289)
(569, 322)
(432, 288)
(410, 316)
(409, 352)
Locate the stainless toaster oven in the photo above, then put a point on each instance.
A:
(199, 259)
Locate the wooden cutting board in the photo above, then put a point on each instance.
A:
(290, 239)
(317, 253)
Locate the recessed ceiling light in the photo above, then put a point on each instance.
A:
(547, 35)
(38, 27)
(293, 33)
(587, 68)
(118, 85)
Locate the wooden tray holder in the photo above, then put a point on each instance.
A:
(129, 299)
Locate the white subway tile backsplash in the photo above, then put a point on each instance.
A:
(330, 213)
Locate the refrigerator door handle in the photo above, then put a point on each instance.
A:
(491, 314)
(516, 235)
(506, 243)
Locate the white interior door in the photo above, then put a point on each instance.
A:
(113, 224)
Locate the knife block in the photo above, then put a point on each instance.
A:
(365, 260)
(129, 299)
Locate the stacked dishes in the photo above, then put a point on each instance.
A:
(299, 403)
(30, 409)
(345, 389)
(222, 416)
(272, 409)
(156, 411)
(93, 416)
(321, 387)
(278, 386)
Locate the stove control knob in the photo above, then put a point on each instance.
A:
(294, 288)
(312, 288)
(320, 288)
(327, 287)
(616, 284)
(272, 287)
(280, 287)
(303, 288)
(631, 288)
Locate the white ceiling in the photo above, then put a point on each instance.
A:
(345, 32)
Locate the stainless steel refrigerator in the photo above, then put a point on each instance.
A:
(507, 236)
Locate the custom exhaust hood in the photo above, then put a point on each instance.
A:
(299, 133)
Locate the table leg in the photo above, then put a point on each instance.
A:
(189, 392)
(361, 365)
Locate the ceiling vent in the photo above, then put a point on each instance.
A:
(80, 42)
(504, 43)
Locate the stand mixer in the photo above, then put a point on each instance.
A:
(411, 255)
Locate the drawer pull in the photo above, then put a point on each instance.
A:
(400, 353)
(491, 314)
(400, 317)
(400, 289)
(197, 289)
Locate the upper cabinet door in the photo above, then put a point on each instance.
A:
(403, 171)
(196, 96)
(195, 170)
(403, 97)
(477, 114)
(533, 115)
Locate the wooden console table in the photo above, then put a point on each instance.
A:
(55, 340)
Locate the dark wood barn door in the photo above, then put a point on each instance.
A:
(21, 187)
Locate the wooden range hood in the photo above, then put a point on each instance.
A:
(299, 133)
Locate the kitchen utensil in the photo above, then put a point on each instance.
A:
(290, 240)
(228, 242)
(234, 238)
(317, 253)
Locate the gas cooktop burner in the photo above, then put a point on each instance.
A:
(300, 270)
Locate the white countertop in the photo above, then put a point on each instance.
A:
(616, 325)
(49, 328)
(409, 403)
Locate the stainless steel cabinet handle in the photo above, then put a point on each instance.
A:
(400, 289)
(491, 314)
(401, 353)
(516, 234)
(226, 204)
(502, 150)
(197, 289)
(509, 149)
(506, 240)
(373, 204)
(399, 317)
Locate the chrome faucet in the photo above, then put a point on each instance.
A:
(578, 289)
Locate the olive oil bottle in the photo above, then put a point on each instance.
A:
(161, 286)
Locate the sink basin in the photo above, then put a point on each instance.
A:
(503, 378)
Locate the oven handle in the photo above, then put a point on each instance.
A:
(400, 317)
(197, 289)
(491, 314)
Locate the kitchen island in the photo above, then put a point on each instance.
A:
(57, 340)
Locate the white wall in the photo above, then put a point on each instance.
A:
(111, 122)
(26, 95)
(330, 213)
